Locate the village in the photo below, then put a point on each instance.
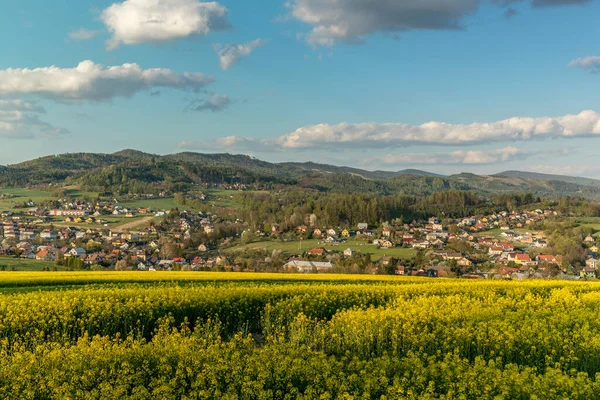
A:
(77, 235)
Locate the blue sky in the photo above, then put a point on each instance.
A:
(350, 83)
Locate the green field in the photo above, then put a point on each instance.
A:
(497, 233)
(172, 335)
(297, 247)
(20, 264)
(589, 222)
(23, 196)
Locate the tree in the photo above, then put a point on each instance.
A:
(122, 265)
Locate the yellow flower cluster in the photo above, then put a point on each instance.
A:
(264, 336)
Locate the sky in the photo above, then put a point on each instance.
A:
(446, 86)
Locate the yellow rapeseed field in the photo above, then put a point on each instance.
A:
(272, 336)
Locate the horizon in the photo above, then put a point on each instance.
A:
(447, 87)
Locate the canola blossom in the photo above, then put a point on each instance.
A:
(265, 336)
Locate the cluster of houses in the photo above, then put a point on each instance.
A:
(27, 236)
(504, 241)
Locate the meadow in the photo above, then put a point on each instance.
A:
(297, 247)
(268, 336)
(22, 264)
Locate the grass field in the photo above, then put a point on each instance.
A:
(296, 247)
(23, 196)
(592, 223)
(497, 233)
(208, 335)
(19, 264)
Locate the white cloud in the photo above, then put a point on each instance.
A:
(589, 64)
(230, 54)
(352, 20)
(457, 157)
(21, 120)
(384, 135)
(83, 34)
(212, 102)
(153, 21)
(94, 82)
(395, 134)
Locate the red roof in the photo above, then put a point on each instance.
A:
(523, 257)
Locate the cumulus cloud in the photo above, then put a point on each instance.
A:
(94, 82)
(382, 135)
(589, 64)
(83, 34)
(352, 20)
(230, 54)
(211, 102)
(21, 120)
(458, 157)
(155, 21)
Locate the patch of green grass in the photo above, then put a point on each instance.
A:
(297, 247)
(158, 204)
(20, 264)
(497, 233)
(22, 195)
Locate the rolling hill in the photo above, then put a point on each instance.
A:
(548, 178)
(132, 171)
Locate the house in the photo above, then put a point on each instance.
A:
(362, 226)
(349, 252)
(45, 255)
(495, 250)
(202, 248)
(317, 251)
(75, 252)
(345, 233)
(464, 262)
(302, 229)
(386, 232)
(386, 244)
(589, 239)
(437, 227)
(521, 259)
(48, 234)
(317, 233)
(546, 258)
(588, 273)
(309, 266)
(331, 232)
(592, 263)
(94, 258)
(385, 261)
(400, 270)
(332, 239)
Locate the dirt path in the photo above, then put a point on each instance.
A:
(132, 225)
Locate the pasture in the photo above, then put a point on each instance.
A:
(297, 247)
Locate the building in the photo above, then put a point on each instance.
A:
(309, 266)
(68, 213)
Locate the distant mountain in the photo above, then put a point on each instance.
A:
(332, 169)
(547, 178)
(132, 171)
(416, 172)
(377, 175)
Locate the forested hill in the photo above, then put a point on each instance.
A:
(549, 178)
(132, 171)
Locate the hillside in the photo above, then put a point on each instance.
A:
(548, 178)
(132, 171)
